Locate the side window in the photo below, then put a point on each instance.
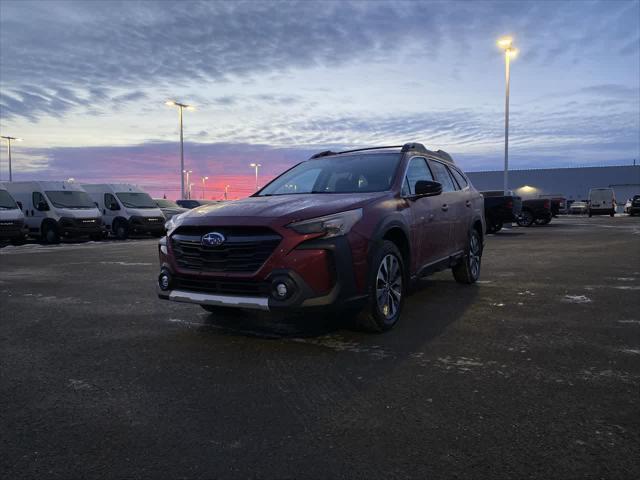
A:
(442, 175)
(459, 178)
(38, 198)
(417, 170)
(110, 202)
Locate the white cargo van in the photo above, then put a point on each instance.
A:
(602, 201)
(55, 210)
(12, 226)
(127, 209)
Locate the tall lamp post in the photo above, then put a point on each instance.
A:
(188, 173)
(256, 166)
(226, 192)
(204, 179)
(8, 139)
(506, 44)
(181, 106)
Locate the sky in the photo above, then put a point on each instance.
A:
(84, 84)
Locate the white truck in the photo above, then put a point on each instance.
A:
(127, 209)
(57, 209)
(602, 201)
(12, 226)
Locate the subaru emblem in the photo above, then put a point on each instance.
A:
(212, 239)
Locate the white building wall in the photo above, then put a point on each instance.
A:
(571, 183)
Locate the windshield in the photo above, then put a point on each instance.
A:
(6, 201)
(70, 199)
(136, 200)
(162, 203)
(344, 174)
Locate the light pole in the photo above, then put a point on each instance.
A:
(226, 192)
(204, 179)
(256, 166)
(181, 106)
(506, 44)
(8, 139)
(188, 172)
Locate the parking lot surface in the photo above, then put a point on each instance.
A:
(532, 373)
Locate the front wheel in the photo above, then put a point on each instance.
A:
(525, 219)
(468, 270)
(613, 213)
(50, 234)
(386, 290)
(120, 230)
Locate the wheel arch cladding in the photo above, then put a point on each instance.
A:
(477, 225)
(397, 236)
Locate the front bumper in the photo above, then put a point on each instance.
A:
(262, 292)
(12, 230)
(152, 225)
(78, 227)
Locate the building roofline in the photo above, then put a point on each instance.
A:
(553, 168)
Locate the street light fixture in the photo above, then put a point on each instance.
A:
(9, 139)
(256, 166)
(226, 192)
(181, 106)
(204, 179)
(506, 44)
(188, 172)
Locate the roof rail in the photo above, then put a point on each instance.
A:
(324, 153)
(414, 146)
(444, 155)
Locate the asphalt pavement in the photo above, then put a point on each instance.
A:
(532, 373)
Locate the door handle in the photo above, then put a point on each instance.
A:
(468, 203)
(445, 207)
(104, 212)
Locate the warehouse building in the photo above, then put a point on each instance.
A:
(570, 183)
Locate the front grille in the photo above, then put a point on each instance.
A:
(220, 286)
(147, 220)
(244, 250)
(81, 223)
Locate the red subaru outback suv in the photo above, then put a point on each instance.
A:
(348, 229)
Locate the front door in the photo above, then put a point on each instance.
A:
(110, 210)
(428, 225)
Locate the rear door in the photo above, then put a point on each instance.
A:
(451, 207)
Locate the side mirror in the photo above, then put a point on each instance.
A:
(19, 205)
(96, 204)
(427, 188)
(42, 206)
(114, 206)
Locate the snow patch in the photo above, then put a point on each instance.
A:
(576, 299)
(79, 384)
(126, 264)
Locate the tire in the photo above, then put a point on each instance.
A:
(50, 234)
(498, 226)
(525, 219)
(120, 230)
(386, 285)
(468, 270)
(613, 213)
(590, 214)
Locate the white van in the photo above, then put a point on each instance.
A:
(12, 226)
(127, 209)
(602, 201)
(53, 210)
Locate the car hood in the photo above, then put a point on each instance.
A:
(289, 208)
(144, 212)
(78, 213)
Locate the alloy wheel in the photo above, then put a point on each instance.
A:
(474, 256)
(389, 286)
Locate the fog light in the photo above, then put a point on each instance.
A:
(164, 280)
(282, 290)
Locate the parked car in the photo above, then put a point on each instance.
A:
(12, 226)
(635, 205)
(127, 209)
(578, 208)
(55, 210)
(558, 206)
(348, 229)
(191, 203)
(535, 210)
(500, 209)
(602, 201)
(169, 208)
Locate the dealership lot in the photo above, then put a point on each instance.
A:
(532, 373)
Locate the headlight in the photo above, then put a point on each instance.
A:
(173, 223)
(332, 225)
